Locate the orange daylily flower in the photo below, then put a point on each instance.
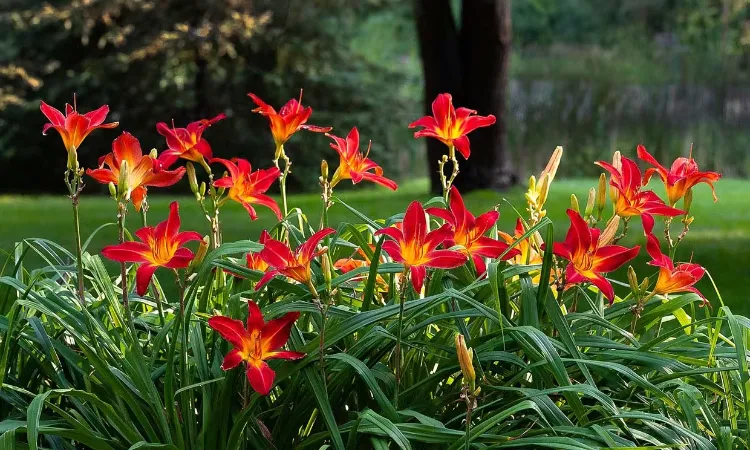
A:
(357, 260)
(527, 253)
(74, 127)
(187, 143)
(295, 265)
(247, 187)
(630, 199)
(256, 344)
(451, 125)
(143, 171)
(291, 118)
(588, 258)
(354, 165)
(160, 246)
(468, 231)
(680, 178)
(672, 279)
(254, 261)
(415, 248)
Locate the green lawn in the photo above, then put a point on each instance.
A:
(718, 239)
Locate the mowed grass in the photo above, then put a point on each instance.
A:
(719, 238)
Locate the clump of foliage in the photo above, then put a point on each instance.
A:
(431, 329)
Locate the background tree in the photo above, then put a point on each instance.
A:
(471, 62)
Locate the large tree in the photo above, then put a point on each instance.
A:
(471, 62)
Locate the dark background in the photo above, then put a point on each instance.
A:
(591, 75)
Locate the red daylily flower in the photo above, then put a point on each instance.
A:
(680, 178)
(672, 279)
(295, 265)
(414, 247)
(451, 125)
(291, 118)
(355, 166)
(254, 261)
(161, 246)
(143, 171)
(588, 257)
(469, 232)
(187, 143)
(631, 200)
(247, 187)
(74, 127)
(256, 344)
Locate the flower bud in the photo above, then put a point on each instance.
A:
(687, 201)
(633, 281)
(553, 164)
(112, 190)
(200, 255)
(590, 203)
(617, 161)
(608, 235)
(574, 203)
(192, 179)
(325, 267)
(153, 153)
(324, 169)
(202, 189)
(122, 183)
(465, 361)
(601, 196)
(544, 190)
(644, 285)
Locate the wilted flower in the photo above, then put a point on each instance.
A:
(74, 127)
(141, 171)
(160, 246)
(451, 126)
(256, 344)
(247, 187)
(680, 178)
(589, 258)
(187, 143)
(355, 166)
(468, 231)
(291, 118)
(630, 200)
(295, 265)
(414, 247)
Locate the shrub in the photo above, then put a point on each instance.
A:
(431, 329)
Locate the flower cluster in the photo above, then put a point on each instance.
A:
(427, 237)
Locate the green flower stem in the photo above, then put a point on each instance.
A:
(284, 175)
(75, 186)
(445, 181)
(467, 442)
(402, 300)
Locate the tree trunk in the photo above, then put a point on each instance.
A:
(441, 65)
(471, 64)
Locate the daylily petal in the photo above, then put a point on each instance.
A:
(463, 146)
(133, 252)
(418, 274)
(276, 332)
(230, 329)
(276, 254)
(393, 250)
(255, 320)
(143, 277)
(445, 259)
(307, 249)
(268, 276)
(260, 376)
(285, 354)
(231, 360)
(611, 257)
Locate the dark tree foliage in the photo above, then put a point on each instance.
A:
(166, 60)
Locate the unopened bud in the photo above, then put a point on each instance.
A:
(544, 189)
(633, 281)
(444, 158)
(202, 189)
(608, 235)
(590, 203)
(644, 285)
(153, 153)
(574, 203)
(601, 196)
(688, 221)
(112, 190)
(122, 183)
(617, 161)
(554, 162)
(324, 169)
(466, 361)
(325, 266)
(687, 201)
(192, 179)
(200, 254)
